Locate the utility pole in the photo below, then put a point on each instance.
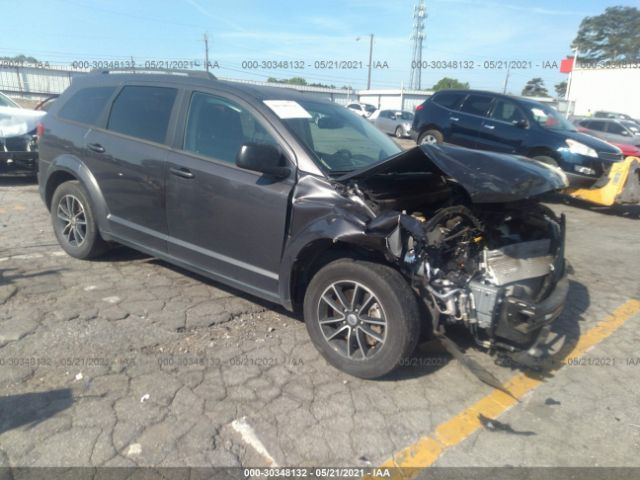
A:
(370, 60)
(506, 80)
(566, 94)
(206, 52)
(419, 15)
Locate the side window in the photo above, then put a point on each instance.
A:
(506, 111)
(585, 123)
(597, 125)
(142, 112)
(217, 128)
(616, 129)
(448, 99)
(86, 105)
(477, 105)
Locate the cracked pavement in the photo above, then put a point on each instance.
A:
(130, 361)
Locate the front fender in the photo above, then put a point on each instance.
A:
(318, 236)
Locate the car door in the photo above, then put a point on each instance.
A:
(466, 124)
(385, 121)
(506, 129)
(226, 221)
(618, 133)
(128, 158)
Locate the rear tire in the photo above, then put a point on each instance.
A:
(74, 222)
(430, 137)
(362, 336)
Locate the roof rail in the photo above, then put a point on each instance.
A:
(190, 73)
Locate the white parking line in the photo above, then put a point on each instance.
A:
(249, 436)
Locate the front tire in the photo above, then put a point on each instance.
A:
(430, 137)
(363, 317)
(399, 132)
(74, 222)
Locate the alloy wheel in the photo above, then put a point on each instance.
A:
(352, 320)
(72, 219)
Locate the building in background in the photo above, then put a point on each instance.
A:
(610, 89)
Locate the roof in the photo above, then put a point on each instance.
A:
(258, 92)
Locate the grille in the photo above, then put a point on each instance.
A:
(613, 157)
(16, 144)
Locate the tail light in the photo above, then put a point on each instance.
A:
(39, 130)
(419, 107)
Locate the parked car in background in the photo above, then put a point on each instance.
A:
(501, 123)
(18, 140)
(363, 109)
(395, 122)
(45, 104)
(297, 201)
(615, 115)
(613, 131)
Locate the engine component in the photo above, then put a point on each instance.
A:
(519, 261)
(485, 298)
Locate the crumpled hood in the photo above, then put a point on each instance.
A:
(486, 176)
(18, 121)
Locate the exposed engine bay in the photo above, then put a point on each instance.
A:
(493, 267)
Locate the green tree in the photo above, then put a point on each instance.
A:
(561, 88)
(535, 88)
(613, 35)
(446, 82)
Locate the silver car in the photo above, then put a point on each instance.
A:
(610, 130)
(396, 122)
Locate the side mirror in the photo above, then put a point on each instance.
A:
(330, 123)
(522, 123)
(262, 158)
(624, 133)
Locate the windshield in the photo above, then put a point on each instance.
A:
(631, 126)
(7, 102)
(549, 118)
(340, 140)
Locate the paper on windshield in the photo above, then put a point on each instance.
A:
(287, 109)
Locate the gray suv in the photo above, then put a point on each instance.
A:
(300, 202)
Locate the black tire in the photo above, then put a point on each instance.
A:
(394, 302)
(546, 159)
(430, 136)
(86, 243)
(399, 132)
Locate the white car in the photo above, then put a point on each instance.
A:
(18, 148)
(363, 109)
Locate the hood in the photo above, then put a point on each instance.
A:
(18, 121)
(589, 140)
(486, 176)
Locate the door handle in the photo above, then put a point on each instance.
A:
(454, 119)
(181, 172)
(490, 127)
(96, 147)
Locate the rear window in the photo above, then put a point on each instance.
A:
(86, 105)
(143, 112)
(448, 99)
(477, 105)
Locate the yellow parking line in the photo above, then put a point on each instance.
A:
(428, 449)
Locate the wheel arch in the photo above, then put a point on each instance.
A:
(308, 255)
(68, 168)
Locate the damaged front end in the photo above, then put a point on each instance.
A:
(464, 229)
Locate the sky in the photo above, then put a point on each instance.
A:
(65, 31)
